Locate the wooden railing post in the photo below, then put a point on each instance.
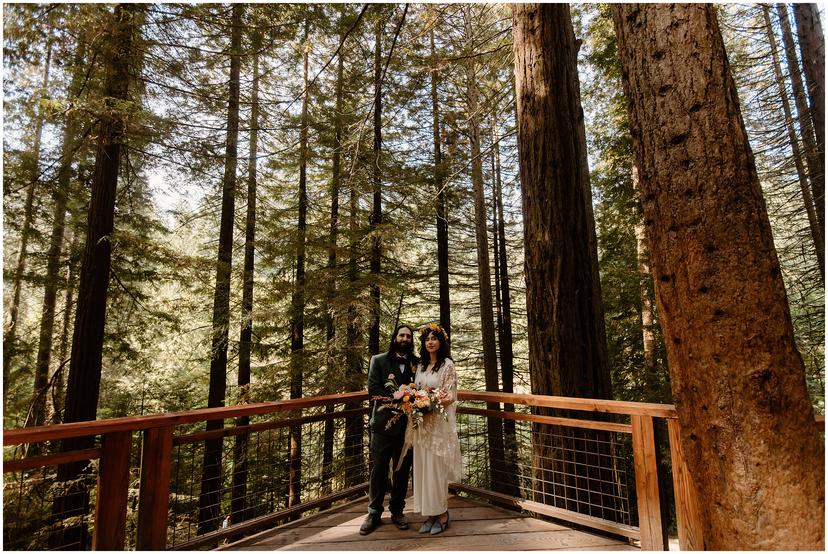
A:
(113, 489)
(688, 516)
(154, 499)
(646, 483)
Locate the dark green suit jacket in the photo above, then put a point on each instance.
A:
(383, 365)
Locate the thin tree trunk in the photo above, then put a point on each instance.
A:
(58, 380)
(816, 169)
(376, 213)
(333, 355)
(10, 338)
(494, 425)
(747, 424)
(505, 318)
(354, 426)
(209, 512)
(51, 285)
(297, 322)
(812, 46)
(87, 341)
(647, 316)
(567, 339)
(238, 504)
(440, 184)
(807, 198)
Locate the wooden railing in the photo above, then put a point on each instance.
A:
(159, 438)
(641, 428)
(156, 459)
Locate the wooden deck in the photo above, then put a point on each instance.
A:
(474, 526)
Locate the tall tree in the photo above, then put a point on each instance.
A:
(10, 336)
(332, 361)
(747, 422)
(297, 321)
(376, 173)
(484, 278)
(209, 498)
(440, 186)
(807, 198)
(60, 195)
(815, 162)
(812, 46)
(567, 339)
(238, 503)
(84, 381)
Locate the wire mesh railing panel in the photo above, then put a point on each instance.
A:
(41, 512)
(584, 471)
(252, 476)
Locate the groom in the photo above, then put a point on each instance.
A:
(386, 444)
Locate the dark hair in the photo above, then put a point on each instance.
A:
(442, 352)
(392, 348)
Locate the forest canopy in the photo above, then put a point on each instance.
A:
(339, 158)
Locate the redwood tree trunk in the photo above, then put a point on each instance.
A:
(238, 509)
(297, 321)
(807, 197)
(812, 46)
(507, 373)
(333, 359)
(494, 425)
(210, 499)
(738, 381)
(87, 342)
(440, 184)
(816, 169)
(567, 340)
(376, 213)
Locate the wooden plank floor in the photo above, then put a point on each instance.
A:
(473, 526)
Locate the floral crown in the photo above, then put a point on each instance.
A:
(434, 328)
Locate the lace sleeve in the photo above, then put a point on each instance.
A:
(448, 383)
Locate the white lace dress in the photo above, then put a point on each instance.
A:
(436, 447)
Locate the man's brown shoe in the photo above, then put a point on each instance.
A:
(372, 521)
(400, 521)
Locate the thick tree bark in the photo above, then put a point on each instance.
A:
(812, 46)
(333, 361)
(484, 283)
(87, 342)
(376, 213)
(209, 499)
(440, 184)
(807, 197)
(238, 505)
(816, 168)
(738, 381)
(10, 336)
(297, 322)
(567, 339)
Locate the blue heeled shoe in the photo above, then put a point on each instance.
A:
(427, 524)
(440, 526)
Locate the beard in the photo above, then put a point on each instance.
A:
(403, 348)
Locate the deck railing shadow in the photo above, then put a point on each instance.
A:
(146, 486)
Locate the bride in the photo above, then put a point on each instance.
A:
(436, 447)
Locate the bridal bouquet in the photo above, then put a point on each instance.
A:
(412, 401)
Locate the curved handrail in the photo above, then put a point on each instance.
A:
(139, 423)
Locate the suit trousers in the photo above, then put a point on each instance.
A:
(386, 450)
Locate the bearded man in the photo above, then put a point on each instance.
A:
(387, 441)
